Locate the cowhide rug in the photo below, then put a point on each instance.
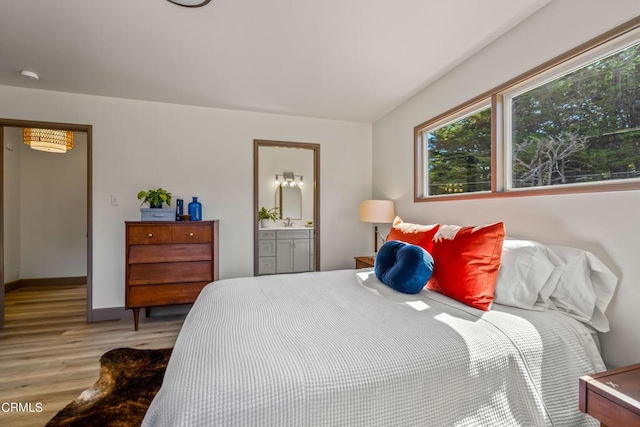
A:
(129, 379)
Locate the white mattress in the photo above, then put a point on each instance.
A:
(340, 348)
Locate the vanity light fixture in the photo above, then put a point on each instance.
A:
(289, 180)
(49, 140)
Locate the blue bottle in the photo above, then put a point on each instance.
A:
(195, 210)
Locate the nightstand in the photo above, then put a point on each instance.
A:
(612, 397)
(364, 261)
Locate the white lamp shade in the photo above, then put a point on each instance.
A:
(378, 211)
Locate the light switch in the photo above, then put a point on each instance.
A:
(115, 200)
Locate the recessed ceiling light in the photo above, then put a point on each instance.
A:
(29, 74)
(190, 3)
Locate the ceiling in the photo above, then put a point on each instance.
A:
(339, 59)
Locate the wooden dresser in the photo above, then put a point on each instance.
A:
(168, 262)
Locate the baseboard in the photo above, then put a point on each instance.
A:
(54, 281)
(46, 281)
(11, 286)
(111, 313)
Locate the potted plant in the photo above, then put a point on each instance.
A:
(156, 212)
(265, 215)
(155, 198)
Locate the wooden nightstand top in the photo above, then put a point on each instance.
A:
(613, 397)
(364, 261)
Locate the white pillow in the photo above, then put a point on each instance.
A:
(585, 288)
(527, 276)
(544, 297)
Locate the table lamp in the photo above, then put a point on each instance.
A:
(377, 212)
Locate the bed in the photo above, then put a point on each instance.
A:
(340, 348)
(455, 326)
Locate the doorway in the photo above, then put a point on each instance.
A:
(297, 216)
(10, 143)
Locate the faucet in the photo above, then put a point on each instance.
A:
(289, 223)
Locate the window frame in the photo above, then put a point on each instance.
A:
(441, 121)
(500, 134)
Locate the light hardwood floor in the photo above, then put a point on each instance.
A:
(49, 354)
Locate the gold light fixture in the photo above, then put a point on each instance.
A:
(50, 140)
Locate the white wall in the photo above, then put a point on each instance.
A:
(46, 210)
(194, 151)
(276, 160)
(11, 195)
(53, 211)
(604, 223)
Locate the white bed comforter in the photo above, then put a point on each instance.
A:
(342, 349)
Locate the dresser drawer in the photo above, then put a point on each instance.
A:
(266, 234)
(148, 234)
(154, 295)
(174, 272)
(610, 413)
(267, 265)
(266, 248)
(191, 234)
(141, 254)
(292, 234)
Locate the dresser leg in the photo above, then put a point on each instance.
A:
(136, 316)
(147, 310)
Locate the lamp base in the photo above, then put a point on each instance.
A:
(375, 240)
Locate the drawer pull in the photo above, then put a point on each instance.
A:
(150, 235)
(190, 234)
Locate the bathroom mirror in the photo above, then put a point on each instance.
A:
(281, 245)
(289, 202)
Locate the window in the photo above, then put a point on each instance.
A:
(571, 125)
(458, 153)
(581, 127)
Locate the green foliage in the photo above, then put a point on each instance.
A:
(271, 214)
(600, 105)
(582, 127)
(460, 155)
(155, 198)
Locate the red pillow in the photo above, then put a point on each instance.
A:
(466, 261)
(415, 234)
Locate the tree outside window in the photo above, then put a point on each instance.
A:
(583, 127)
(459, 155)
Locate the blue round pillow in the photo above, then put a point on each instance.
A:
(403, 267)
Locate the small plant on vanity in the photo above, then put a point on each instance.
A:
(155, 198)
(265, 215)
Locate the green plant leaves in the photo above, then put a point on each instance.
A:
(155, 197)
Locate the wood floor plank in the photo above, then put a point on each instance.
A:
(49, 354)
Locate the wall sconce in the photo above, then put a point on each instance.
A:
(289, 180)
